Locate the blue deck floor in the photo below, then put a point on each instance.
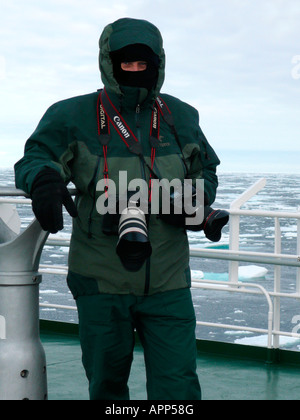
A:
(222, 378)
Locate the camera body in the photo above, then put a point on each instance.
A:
(212, 221)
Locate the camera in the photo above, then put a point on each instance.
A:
(212, 225)
(131, 227)
(133, 246)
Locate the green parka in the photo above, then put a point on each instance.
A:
(67, 140)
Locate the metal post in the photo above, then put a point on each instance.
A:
(22, 357)
(277, 285)
(298, 253)
(235, 225)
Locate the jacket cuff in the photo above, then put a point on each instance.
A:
(44, 177)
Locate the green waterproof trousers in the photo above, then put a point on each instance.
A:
(165, 323)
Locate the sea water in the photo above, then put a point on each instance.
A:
(282, 193)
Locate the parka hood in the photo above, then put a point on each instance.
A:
(126, 32)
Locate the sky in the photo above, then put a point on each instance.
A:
(236, 61)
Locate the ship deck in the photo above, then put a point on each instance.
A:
(226, 372)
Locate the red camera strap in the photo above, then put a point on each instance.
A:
(108, 114)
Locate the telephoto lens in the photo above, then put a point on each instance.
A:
(133, 247)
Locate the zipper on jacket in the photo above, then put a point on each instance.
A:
(147, 282)
(137, 114)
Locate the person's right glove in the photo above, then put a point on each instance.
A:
(49, 194)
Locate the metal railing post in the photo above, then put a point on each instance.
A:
(277, 285)
(298, 253)
(22, 358)
(234, 226)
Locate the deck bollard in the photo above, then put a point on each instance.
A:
(23, 374)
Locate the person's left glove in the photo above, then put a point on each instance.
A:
(49, 194)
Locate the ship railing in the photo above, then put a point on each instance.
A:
(234, 255)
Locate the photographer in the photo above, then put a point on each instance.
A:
(79, 140)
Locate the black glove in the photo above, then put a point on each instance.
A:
(49, 194)
(214, 221)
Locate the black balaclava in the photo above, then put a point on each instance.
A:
(136, 52)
